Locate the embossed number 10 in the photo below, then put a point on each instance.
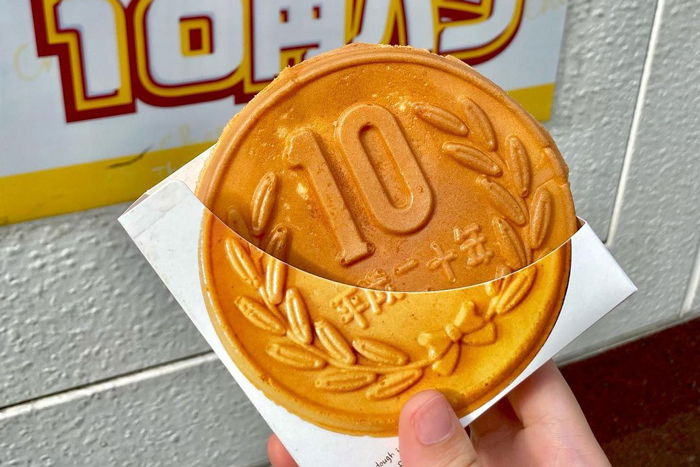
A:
(304, 151)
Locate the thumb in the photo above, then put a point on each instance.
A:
(430, 434)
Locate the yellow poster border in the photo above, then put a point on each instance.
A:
(78, 187)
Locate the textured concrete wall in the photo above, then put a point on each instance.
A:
(100, 367)
(655, 224)
(179, 415)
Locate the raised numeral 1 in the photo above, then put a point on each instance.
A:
(93, 55)
(304, 152)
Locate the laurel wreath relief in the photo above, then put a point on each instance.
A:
(341, 364)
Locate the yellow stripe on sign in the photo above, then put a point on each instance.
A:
(537, 100)
(85, 186)
(66, 189)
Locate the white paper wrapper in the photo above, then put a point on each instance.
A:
(165, 224)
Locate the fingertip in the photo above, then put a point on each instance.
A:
(545, 395)
(548, 370)
(430, 433)
(546, 377)
(417, 400)
(277, 453)
(500, 417)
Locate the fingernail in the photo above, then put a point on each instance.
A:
(434, 421)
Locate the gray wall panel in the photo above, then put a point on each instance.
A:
(599, 73)
(194, 416)
(657, 229)
(79, 304)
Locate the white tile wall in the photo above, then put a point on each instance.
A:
(99, 367)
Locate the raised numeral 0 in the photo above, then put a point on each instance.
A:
(416, 212)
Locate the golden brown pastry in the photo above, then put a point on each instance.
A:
(348, 358)
(392, 159)
(390, 170)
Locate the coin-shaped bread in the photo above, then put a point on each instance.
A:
(348, 358)
(391, 159)
(389, 170)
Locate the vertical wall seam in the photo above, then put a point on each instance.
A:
(693, 284)
(634, 127)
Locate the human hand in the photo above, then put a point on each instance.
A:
(538, 423)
